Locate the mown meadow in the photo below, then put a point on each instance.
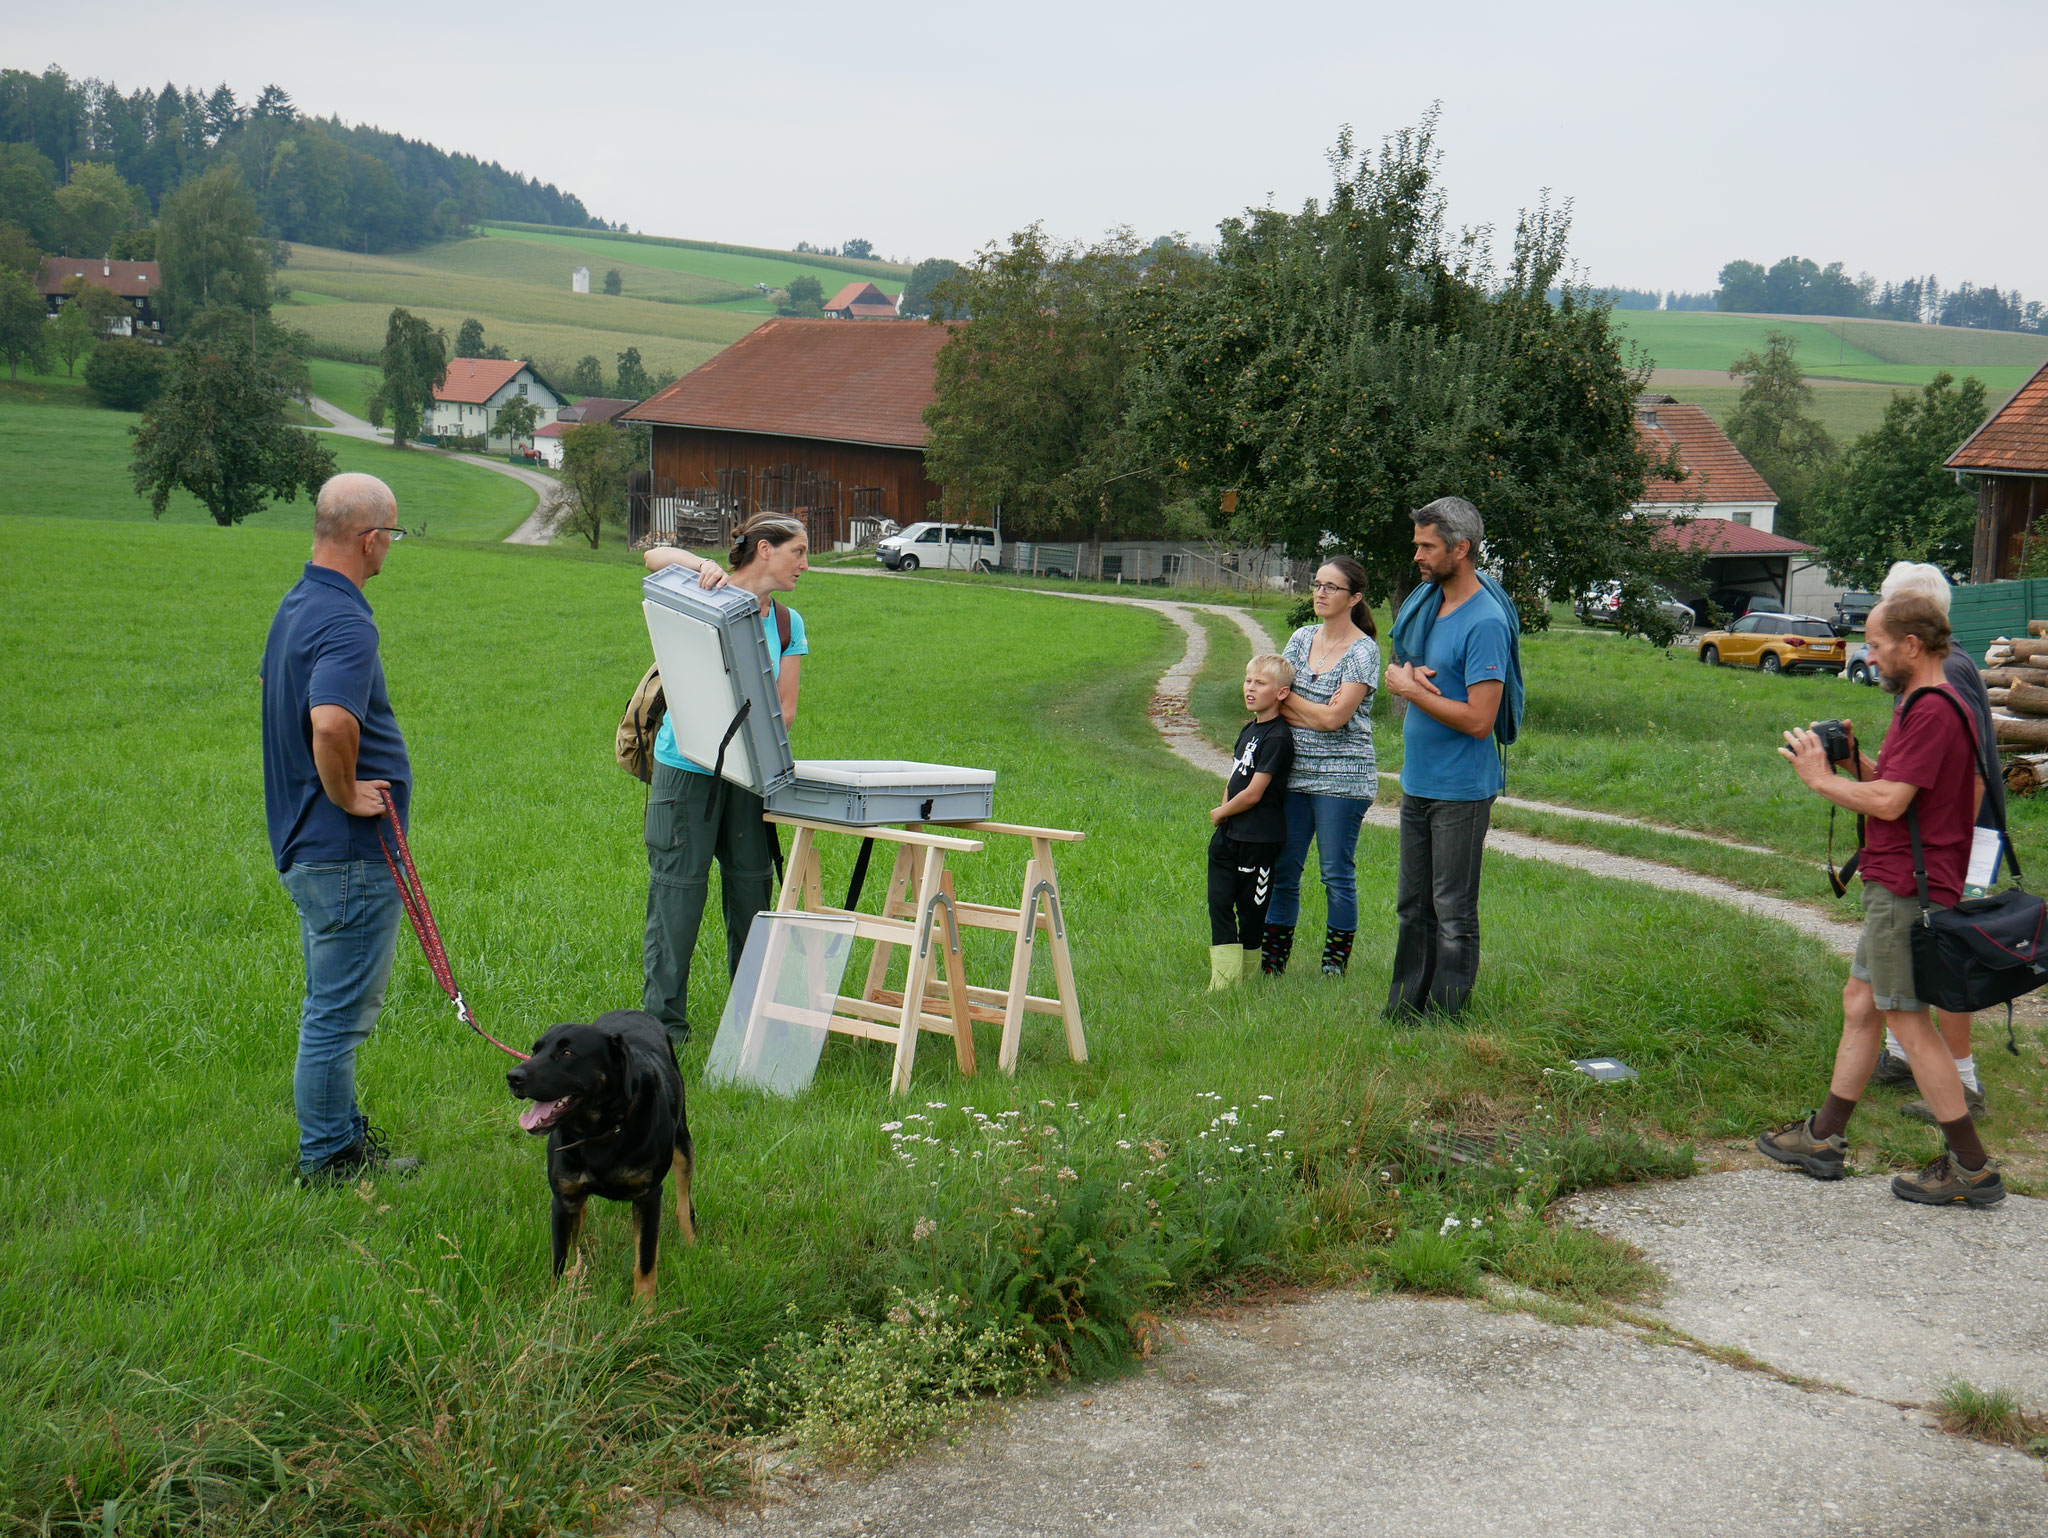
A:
(192, 1344)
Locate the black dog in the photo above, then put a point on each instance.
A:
(610, 1098)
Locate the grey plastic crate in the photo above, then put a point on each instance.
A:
(719, 681)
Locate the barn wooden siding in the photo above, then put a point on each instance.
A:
(687, 461)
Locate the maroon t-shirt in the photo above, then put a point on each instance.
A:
(1935, 748)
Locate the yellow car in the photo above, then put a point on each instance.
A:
(1775, 643)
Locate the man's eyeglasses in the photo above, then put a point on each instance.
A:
(393, 530)
(1321, 588)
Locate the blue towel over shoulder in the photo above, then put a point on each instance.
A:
(1411, 637)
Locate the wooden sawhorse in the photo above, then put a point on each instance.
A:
(920, 903)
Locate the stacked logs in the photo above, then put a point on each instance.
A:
(2015, 675)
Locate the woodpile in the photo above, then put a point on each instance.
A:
(2015, 674)
(2005, 678)
(2026, 773)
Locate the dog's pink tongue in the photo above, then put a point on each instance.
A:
(535, 1117)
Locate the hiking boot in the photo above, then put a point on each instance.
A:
(368, 1155)
(1945, 1183)
(1973, 1100)
(1891, 1069)
(1795, 1144)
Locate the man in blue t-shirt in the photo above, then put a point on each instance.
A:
(1451, 769)
(331, 746)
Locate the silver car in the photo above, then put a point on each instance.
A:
(1600, 605)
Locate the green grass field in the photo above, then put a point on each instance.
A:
(1876, 352)
(347, 385)
(740, 268)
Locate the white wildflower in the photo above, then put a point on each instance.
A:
(1067, 1173)
(923, 1230)
(892, 1126)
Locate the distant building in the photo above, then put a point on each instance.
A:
(467, 401)
(136, 282)
(802, 416)
(592, 408)
(2008, 459)
(861, 301)
(1732, 511)
(579, 281)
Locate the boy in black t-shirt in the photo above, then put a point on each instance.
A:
(1251, 824)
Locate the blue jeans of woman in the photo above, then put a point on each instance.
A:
(348, 928)
(1332, 823)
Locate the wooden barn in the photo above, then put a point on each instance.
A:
(809, 417)
(2008, 458)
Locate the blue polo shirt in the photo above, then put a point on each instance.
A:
(323, 651)
(1470, 645)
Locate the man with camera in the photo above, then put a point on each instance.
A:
(1929, 764)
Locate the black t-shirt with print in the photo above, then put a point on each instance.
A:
(1263, 747)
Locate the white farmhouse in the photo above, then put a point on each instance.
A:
(579, 281)
(468, 399)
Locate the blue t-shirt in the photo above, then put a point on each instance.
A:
(323, 651)
(799, 646)
(1470, 645)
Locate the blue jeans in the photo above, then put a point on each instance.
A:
(1332, 822)
(348, 927)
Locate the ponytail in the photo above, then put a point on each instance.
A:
(777, 528)
(1354, 578)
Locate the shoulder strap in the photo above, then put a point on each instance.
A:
(781, 623)
(1969, 721)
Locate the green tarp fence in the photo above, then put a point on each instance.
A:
(1981, 612)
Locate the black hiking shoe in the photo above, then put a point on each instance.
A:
(368, 1155)
(1795, 1144)
(1945, 1183)
(1973, 1100)
(1891, 1069)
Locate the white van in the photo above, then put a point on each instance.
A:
(947, 546)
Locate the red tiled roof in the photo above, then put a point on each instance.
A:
(857, 293)
(1724, 536)
(2015, 436)
(131, 280)
(594, 408)
(473, 381)
(811, 379)
(555, 429)
(1719, 472)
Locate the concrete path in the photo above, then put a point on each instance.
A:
(1349, 1414)
(539, 527)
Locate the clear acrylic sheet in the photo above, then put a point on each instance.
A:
(776, 1017)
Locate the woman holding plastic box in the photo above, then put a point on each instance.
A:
(694, 818)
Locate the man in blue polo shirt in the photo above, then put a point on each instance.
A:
(1455, 660)
(330, 746)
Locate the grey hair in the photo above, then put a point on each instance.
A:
(1454, 519)
(1918, 578)
(349, 503)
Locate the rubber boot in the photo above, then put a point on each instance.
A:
(1279, 945)
(1226, 966)
(1337, 951)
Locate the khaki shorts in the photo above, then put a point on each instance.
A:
(1884, 951)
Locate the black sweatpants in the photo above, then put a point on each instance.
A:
(1240, 885)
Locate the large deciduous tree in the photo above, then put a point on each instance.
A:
(24, 323)
(633, 381)
(414, 365)
(94, 206)
(597, 463)
(207, 240)
(1776, 432)
(517, 419)
(1347, 363)
(923, 282)
(219, 431)
(1889, 499)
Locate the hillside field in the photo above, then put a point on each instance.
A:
(1870, 351)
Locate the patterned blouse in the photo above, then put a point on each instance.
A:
(1339, 763)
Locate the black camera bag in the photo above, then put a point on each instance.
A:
(1984, 950)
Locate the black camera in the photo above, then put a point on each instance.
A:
(1836, 740)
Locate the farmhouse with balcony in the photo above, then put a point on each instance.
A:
(1732, 510)
(466, 402)
(2008, 459)
(136, 282)
(807, 417)
(861, 301)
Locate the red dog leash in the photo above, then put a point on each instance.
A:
(414, 896)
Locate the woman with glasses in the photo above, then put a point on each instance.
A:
(693, 818)
(1335, 777)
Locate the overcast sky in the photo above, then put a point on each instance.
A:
(1897, 138)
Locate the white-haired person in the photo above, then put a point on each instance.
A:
(1960, 670)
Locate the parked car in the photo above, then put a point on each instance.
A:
(1775, 643)
(1599, 606)
(1859, 670)
(948, 546)
(1732, 603)
(1852, 609)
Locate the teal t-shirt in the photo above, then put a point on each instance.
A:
(1470, 645)
(799, 646)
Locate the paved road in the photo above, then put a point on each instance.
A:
(1349, 1414)
(539, 526)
